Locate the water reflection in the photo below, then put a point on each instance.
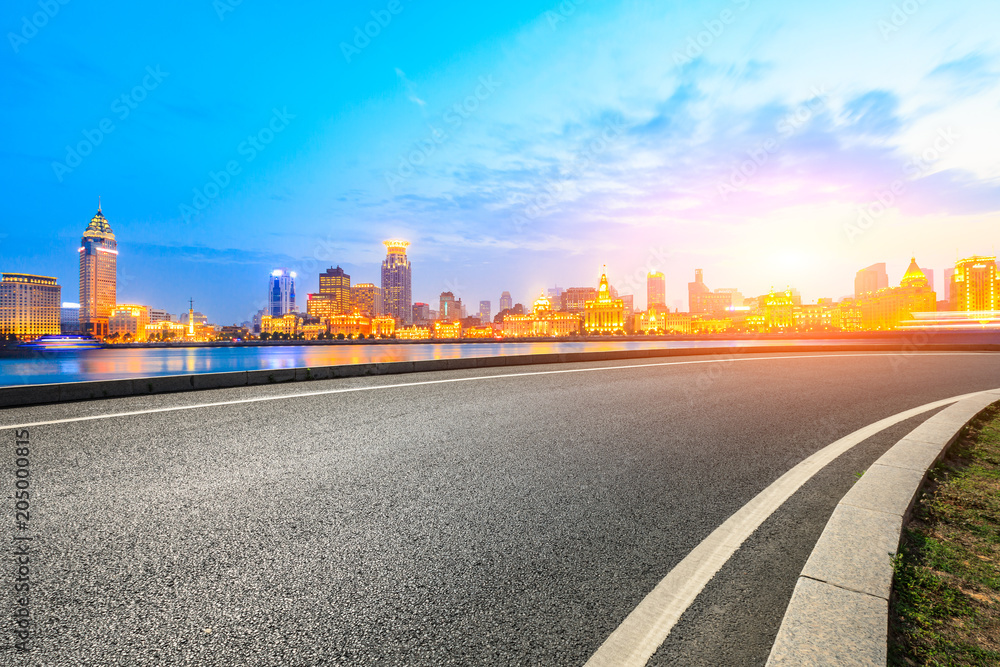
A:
(115, 363)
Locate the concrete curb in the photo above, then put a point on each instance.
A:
(839, 611)
(40, 394)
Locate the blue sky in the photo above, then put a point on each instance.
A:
(517, 145)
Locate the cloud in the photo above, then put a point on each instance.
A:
(411, 89)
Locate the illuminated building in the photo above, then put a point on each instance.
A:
(422, 314)
(814, 317)
(703, 300)
(604, 314)
(320, 305)
(383, 325)
(870, 280)
(165, 330)
(366, 299)
(542, 322)
(413, 333)
(948, 273)
(128, 321)
(659, 320)
(288, 323)
(281, 293)
(656, 289)
(480, 331)
(506, 302)
(98, 275)
(396, 299)
(574, 299)
(451, 308)
(485, 311)
(444, 329)
(29, 305)
(887, 308)
(335, 284)
(846, 315)
(69, 318)
(974, 285)
(710, 324)
(775, 313)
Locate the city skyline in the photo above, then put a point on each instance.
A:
(700, 141)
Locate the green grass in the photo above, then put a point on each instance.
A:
(945, 606)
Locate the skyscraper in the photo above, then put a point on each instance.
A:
(975, 286)
(281, 293)
(396, 299)
(450, 307)
(335, 283)
(29, 305)
(870, 280)
(98, 275)
(656, 289)
(366, 299)
(485, 311)
(506, 303)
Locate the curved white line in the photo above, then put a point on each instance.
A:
(642, 632)
(345, 390)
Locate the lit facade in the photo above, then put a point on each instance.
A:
(30, 305)
(574, 299)
(702, 300)
(165, 330)
(974, 285)
(447, 329)
(604, 314)
(320, 305)
(98, 275)
(887, 309)
(659, 320)
(281, 293)
(366, 299)
(128, 321)
(396, 275)
(450, 308)
(542, 322)
(485, 311)
(413, 333)
(656, 289)
(335, 285)
(288, 323)
(775, 313)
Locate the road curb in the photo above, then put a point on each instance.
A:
(839, 611)
(42, 394)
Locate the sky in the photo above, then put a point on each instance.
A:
(517, 146)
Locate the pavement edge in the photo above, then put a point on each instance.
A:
(839, 610)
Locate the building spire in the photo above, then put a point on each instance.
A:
(98, 203)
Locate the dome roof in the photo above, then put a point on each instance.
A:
(914, 277)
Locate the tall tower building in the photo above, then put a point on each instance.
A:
(506, 303)
(485, 312)
(396, 298)
(336, 285)
(366, 299)
(98, 275)
(281, 293)
(975, 285)
(656, 289)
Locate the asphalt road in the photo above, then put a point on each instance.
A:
(512, 520)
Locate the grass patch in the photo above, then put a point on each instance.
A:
(945, 604)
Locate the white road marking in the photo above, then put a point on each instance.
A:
(642, 632)
(324, 392)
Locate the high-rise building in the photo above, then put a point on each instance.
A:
(869, 280)
(29, 305)
(69, 318)
(574, 299)
(930, 278)
(948, 273)
(450, 307)
(656, 289)
(129, 320)
(702, 300)
(336, 284)
(485, 311)
(320, 305)
(366, 299)
(974, 285)
(396, 299)
(422, 313)
(281, 293)
(555, 294)
(98, 275)
(506, 302)
(887, 309)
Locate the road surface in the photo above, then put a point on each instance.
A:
(501, 516)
